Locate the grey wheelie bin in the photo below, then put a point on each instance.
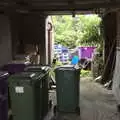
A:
(43, 69)
(67, 89)
(26, 95)
(3, 96)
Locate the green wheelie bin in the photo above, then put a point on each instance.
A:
(26, 95)
(67, 89)
(43, 69)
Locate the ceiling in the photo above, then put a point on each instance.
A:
(57, 6)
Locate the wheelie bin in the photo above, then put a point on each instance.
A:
(43, 69)
(3, 95)
(26, 95)
(12, 68)
(67, 89)
(15, 67)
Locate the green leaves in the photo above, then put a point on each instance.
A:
(82, 30)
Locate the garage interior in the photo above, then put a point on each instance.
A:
(24, 22)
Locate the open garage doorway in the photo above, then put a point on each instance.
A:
(84, 36)
(79, 36)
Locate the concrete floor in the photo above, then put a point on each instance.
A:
(96, 103)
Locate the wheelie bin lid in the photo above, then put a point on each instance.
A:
(3, 74)
(26, 76)
(68, 67)
(20, 62)
(37, 68)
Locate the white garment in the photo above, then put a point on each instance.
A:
(116, 78)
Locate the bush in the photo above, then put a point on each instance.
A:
(85, 73)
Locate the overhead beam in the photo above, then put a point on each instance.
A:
(59, 6)
(76, 6)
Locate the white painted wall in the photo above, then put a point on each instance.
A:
(116, 78)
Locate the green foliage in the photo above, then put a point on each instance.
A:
(85, 73)
(51, 72)
(81, 30)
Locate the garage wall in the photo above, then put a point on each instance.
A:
(28, 29)
(5, 40)
(110, 33)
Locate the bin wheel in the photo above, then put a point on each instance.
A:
(78, 110)
(50, 104)
(55, 110)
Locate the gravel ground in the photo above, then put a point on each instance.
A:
(96, 103)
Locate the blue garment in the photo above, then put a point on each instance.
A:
(75, 60)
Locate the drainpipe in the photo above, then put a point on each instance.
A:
(49, 41)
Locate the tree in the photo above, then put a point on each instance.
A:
(81, 30)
